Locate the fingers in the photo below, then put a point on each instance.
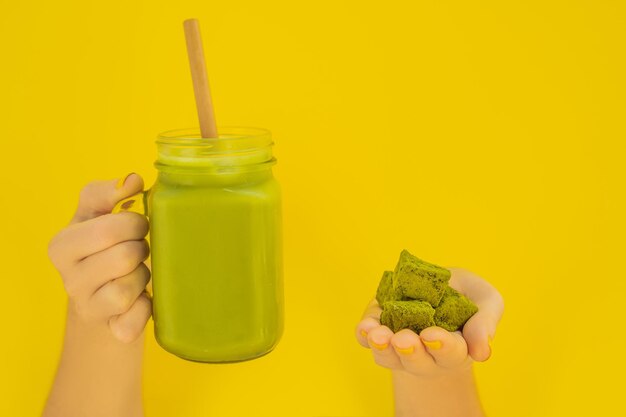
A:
(78, 241)
(481, 327)
(448, 349)
(118, 296)
(379, 340)
(394, 351)
(100, 254)
(127, 327)
(99, 197)
(479, 331)
(114, 262)
(477, 289)
(363, 329)
(436, 348)
(370, 321)
(412, 353)
(372, 310)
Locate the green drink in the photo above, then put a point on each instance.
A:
(215, 232)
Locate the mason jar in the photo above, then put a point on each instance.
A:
(216, 245)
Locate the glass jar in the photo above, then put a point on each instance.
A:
(216, 245)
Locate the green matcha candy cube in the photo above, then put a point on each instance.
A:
(419, 280)
(385, 288)
(414, 315)
(454, 310)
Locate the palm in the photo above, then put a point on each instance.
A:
(436, 350)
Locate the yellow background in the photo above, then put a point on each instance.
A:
(484, 134)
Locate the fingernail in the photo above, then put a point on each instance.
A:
(363, 333)
(122, 180)
(379, 347)
(405, 351)
(126, 205)
(434, 344)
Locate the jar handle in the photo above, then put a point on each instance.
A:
(136, 203)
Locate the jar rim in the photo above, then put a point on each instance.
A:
(235, 146)
(227, 134)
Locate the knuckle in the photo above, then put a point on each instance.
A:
(124, 333)
(104, 231)
(126, 259)
(81, 310)
(144, 273)
(137, 278)
(52, 251)
(127, 249)
(119, 298)
(379, 361)
(72, 289)
(146, 305)
(138, 223)
(132, 252)
(145, 250)
(384, 362)
(87, 191)
(55, 251)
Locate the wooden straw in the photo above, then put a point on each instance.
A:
(200, 79)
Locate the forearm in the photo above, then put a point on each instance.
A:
(451, 395)
(97, 375)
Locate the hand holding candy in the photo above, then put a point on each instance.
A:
(436, 350)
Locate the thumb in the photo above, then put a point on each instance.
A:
(478, 332)
(480, 329)
(99, 197)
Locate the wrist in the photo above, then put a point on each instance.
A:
(442, 375)
(97, 375)
(447, 393)
(94, 334)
